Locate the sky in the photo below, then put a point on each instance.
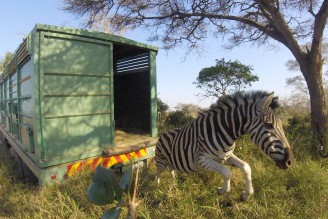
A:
(175, 74)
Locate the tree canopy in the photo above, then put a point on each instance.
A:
(224, 77)
(178, 21)
(161, 106)
(5, 60)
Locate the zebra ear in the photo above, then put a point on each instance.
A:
(266, 101)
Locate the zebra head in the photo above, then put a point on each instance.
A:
(267, 133)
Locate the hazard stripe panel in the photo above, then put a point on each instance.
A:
(105, 161)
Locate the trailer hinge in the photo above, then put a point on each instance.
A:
(31, 139)
(42, 155)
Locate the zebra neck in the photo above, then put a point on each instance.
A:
(234, 121)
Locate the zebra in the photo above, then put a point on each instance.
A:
(208, 141)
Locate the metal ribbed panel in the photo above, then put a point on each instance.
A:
(133, 64)
(22, 53)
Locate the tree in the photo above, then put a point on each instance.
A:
(298, 83)
(162, 107)
(177, 119)
(224, 77)
(5, 60)
(300, 98)
(298, 102)
(288, 22)
(190, 110)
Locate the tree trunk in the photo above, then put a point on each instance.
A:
(318, 111)
(312, 71)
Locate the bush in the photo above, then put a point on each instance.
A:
(177, 119)
(299, 134)
(299, 124)
(172, 120)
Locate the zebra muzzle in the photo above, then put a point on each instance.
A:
(287, 161)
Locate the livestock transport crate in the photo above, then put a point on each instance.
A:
(72, 97)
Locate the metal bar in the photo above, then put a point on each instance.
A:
(132, 59)
(28, 77)
(132, 66)
(153, 94)
(25, 115)
(78, 75)
(135, 70)
(143, 55)
(74, 37)
(25, 97)
(77, 115)
(77, 95)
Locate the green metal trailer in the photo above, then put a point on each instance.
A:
(68, 93)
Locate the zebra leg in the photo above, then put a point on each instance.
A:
(210, 164)
(233, 160)
(173, 173)
(161, 164)
(159, 171)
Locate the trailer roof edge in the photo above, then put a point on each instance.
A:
(94, 34)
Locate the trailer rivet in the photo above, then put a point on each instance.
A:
(53, 176)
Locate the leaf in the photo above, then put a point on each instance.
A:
(125, 181)
(104, 189)
(113, 213)
(118, 193)
(99, 194)
(101, 175)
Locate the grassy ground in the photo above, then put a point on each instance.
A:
(300, 192)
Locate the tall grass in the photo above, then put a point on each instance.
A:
(300, 192)
(19, 200)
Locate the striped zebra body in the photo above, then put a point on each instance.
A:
(208, 142)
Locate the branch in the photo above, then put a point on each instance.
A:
(176, 21)
(311, 9)
(319, 26)
(133, 203)
(287, 37)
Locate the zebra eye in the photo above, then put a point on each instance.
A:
(268, 125)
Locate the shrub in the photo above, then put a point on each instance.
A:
(173, 120)
(299, 134)
(177, 119)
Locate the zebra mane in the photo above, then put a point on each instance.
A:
(240, 97)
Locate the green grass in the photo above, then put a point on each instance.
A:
(300, 192)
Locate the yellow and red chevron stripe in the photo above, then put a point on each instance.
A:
(105, 161)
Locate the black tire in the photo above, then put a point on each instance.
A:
(2, 139)
(23, 172)
(4, 142)
(29, 175)
(19, 168)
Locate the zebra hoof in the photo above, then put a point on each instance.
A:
(244, 196)
(221, 191)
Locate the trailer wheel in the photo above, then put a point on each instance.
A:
(29, 175)
(19, 167)
(2, 138)
(4, 143)
(22, 170)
